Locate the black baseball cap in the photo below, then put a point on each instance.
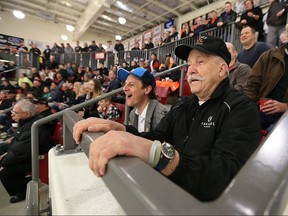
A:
(141, 73)
(205, 44)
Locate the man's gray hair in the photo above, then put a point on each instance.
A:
(27, 106)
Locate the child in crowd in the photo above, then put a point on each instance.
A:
(107, 110)
(46, 92)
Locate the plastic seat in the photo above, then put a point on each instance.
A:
(43, 169)
(186, 88)
(121, 107)
(58, 133)
(162, 94)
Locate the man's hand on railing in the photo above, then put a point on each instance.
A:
(95, 125)
(116, 143)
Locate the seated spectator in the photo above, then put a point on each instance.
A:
(56, 93)
(252, 49)
(107, 110)
(15, 163)
(139, 90)
(37, 87)
(209, 135)
(6, 85)
(268, 79)
(24, 78)
(80, 93)
(45, 79)
(171, 79)
(46, 92)
(238, 72)
(114, 82)
(154, 63)
(25, 88)
(94, 90)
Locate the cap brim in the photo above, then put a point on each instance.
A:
(182, 51)
(122, 74)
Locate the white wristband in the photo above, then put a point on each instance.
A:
(154, 154)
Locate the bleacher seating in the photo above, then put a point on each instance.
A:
(162, 94)
(121, 107)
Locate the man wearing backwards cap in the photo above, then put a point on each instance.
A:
(212, 133)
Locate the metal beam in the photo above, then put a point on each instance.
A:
(165, 7)
(91, 13)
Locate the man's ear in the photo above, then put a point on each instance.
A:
(223, 70)
(148, 89)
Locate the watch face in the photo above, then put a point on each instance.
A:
(168, 150)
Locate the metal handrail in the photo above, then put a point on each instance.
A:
(38, 123)
(260, 187)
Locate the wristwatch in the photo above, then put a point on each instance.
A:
(167, 154)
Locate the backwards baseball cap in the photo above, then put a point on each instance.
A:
(141, 73)
(205, 44)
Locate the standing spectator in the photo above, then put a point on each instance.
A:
(62, 48)
(252, 49)
(34, 49)
(85, 49)
(166, 38)
(238, 72)
(93, 47)
(227, 16)
(186, 30)
(110, 47)
(199, 27)
(269, 79)
(47, 53)
(55, 49)
(174, 34)
(68, 48)
(136, 46)
(212, 23)
(148, 44)
(253, 17)
(78, 48)
(276, 21)
(118, 46)
(101, 49)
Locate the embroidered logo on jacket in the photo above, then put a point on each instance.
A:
(209, 122)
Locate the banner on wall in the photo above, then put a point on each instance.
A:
(168, 25)
(139, 40)
(146, 35)
(125, 46)
(131, 43)
(10, 41)
(156, 35)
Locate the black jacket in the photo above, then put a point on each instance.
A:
(19, 151)
(214, 140)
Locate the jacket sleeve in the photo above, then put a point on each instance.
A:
(206, 177)
(241, 76)
(255, 78)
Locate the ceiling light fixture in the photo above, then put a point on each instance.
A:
(70, 28)
(118, 37)
(122, 20)
(19, 14)
(64, 37)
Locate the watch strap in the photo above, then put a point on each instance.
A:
(163, 162)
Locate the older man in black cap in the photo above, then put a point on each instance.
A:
(205, 138)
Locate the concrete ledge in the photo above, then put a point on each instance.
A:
(75, 190)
